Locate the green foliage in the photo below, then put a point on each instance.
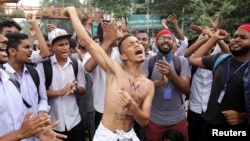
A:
(232, 13)
(120, 8)
(2, 13)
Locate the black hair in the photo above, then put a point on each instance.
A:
(122, 39)
(45, 36)
(142, 31)
(192, 40)
(9, 23)
(14, 39)
(173, 135)
(95, 37)
(72, 43)
(100, 30)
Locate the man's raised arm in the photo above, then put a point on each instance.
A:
(93, 48)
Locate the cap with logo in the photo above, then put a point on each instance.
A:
(56, 34)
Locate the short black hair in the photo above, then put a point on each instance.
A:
(141, 31)
(173, 135)
(72, 43)
(9, 23)
(122, 39)
(14, 39)
(95, 37)
(192, 40)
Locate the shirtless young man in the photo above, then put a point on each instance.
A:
(128, 93)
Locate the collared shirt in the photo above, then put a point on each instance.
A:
(29, 90)
(85, 102)
(201, 88)
(183, 47)
(64, 108)
(36, 56)
(12, 109)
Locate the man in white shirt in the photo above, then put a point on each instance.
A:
(64, 87)
(19, 52)
(15, 123)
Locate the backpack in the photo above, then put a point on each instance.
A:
(219, 60)
(48, 71)
(34, 75)
(177, 66)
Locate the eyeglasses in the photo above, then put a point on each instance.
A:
(166, 37)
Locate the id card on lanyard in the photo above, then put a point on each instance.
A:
(167, 93)
(228, 78)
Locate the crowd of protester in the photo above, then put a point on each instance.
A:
(117, 86)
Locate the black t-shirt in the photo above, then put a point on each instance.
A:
(234, 92)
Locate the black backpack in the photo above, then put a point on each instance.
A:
(48, 71)
(34, 74)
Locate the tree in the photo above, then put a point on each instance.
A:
(61, 23)
(120, 8)
(2, 12)
(232, 13)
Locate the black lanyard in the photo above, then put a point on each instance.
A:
(229, 77)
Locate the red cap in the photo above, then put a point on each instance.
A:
(162, 32)
(245, 27)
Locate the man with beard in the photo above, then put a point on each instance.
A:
(167, 110)
(226, 105)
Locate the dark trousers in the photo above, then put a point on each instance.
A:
(195, 122)
(88, 123)
(98, 118)
(140, 131)
(75, 134)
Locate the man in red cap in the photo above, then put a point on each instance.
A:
(171, 75)
(226, 105)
